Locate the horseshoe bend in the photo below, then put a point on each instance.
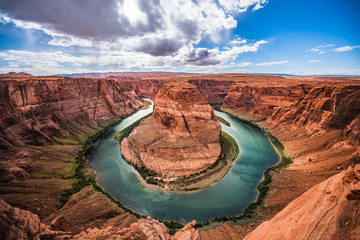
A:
(180, 138)
(48, 125)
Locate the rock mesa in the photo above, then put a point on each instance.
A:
(181, 137)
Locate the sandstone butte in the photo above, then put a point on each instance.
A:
(181, 137)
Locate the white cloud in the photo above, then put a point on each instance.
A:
(242, 5)
(61, 62)
(126, 34)
(243, 64)
(314, 61)
(125, 24)
(238, 41)
(320, 49)
(272, 63)
(345, 48)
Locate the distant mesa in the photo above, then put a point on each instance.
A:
(182, 136)
(14, 74)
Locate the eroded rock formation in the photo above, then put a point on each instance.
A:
(329, 210)
(16, 223)
(325, 108)
(259, 102)
(33, 110)
(314, 108)
(180, 138)
(146, 229)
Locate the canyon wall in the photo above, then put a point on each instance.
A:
(323, 108)
(329, 210)
(33, 110)
(214, 90)
(146, 87)
(181, 137)
(259, 102)
(313, 108)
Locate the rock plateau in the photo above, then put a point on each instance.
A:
(181, 137)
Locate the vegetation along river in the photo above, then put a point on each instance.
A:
(228, 197)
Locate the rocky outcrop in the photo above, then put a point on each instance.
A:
(146, 229)
(259, 102)
(325, 108)
(33, 110)
(188, 232)
(180, 138)
(329, 210)
(214, 90)
(18, 224)
(89, 209)
(314, 108)
(146, 87)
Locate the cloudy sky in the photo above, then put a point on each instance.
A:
(45, 37)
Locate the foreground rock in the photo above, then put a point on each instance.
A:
(181, 137)
(330, 210)
(16, 223)
(148, 228)
(88, 209)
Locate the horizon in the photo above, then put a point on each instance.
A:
(301, 38)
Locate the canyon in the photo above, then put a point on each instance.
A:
(45, 121)
(182, 137)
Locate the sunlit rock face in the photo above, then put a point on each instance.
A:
(316, 109)
(32, 110)
(180, 138)
(329, 210)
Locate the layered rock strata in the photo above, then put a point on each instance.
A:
(259, 102)
(33, 110)
(314, 108)
(329, 210)
(214, 87)
(181, 137)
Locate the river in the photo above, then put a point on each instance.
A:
(228, 197)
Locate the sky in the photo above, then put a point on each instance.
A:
(301, 37)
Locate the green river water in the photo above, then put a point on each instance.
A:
(228, 197)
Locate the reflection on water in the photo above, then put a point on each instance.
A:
(228, 197)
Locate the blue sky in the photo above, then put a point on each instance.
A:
(304, 37)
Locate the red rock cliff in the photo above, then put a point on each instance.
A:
(32, 110)
(329, 210)
(316, 109)
(325, 108)
(259, 102)
(180, 138)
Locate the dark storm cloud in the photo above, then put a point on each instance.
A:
(95, 19)
(155, 27)
(188, 28)
(160, 47)
(202, 57)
